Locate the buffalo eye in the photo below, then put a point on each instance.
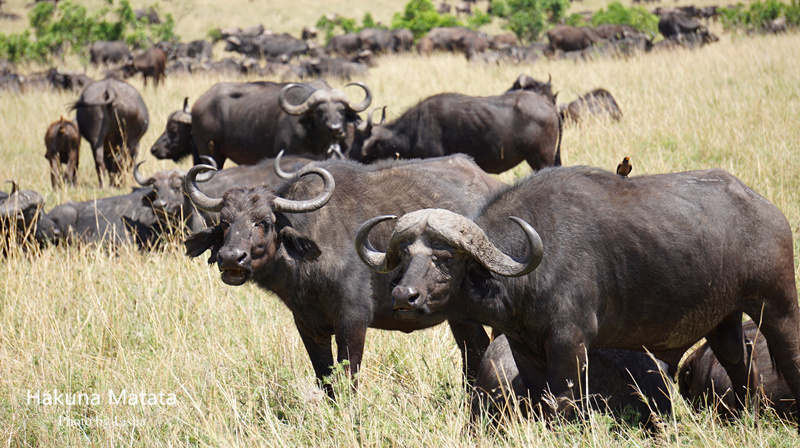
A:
(264, 224)
(224, 225)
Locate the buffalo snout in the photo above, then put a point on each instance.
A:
(234, 265)
(405, 298)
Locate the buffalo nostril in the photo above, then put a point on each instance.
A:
(241, 256)
(405, 294)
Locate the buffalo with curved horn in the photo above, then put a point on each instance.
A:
(248, 122)
(690, 254)
(303, 249)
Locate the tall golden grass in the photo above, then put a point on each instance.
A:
(94, 320)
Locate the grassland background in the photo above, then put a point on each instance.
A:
(89, 320)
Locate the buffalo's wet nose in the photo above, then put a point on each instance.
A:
(404, 295)
(233, 257)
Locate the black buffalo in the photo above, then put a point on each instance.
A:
(196, 49)
(344, 45)
(525, 82)
(21, 221)
(600, 261)
(113, 221)
(248, 122)
(175, 209)
(151, 64)
(703, 381)
(112, 117)
(597, 102)
(499, 132)
(105, 52)
(270, 46)
(622, 382)
(297, 241)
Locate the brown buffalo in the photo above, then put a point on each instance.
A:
(63, 143)
(151, 64)
(572, 38)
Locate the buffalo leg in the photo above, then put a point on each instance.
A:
(350, 340)
(727, 343)
(472, 340)
(72, 166)
(565, 363)
(319, 350)
(55, 171)
(781, 328)
(100, 162)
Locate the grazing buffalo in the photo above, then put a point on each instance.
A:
(112, 117)
(376, 40)
(67, 80)
(499, 132)
(327, 68)
(703, 381)
(173, 207)
(114, 220)
(403, 40)
(597, 102)
(615, 32)
(685, 30)
(620, 381)
(196, 49)
(248, 122)
(105, 52)
(63, 143)
(151, 64)
(297, 241)
(270, 46)
(457, 39)
(576, 258)
(344, 45)
(572, 38)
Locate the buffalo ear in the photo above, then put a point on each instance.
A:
(201, 241)
(298, 246)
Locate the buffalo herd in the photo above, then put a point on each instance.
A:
(568, 284)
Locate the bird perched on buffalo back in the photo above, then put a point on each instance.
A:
(624, 168)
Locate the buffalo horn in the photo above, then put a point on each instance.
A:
(364, 104)
(141, 180)
(186, 104)
(305, 106)
(463, 233)
(199, 198)
(278, 170)
(14, 186)
(18, 201)
(205, 177)
(372, 258)
(292, 206)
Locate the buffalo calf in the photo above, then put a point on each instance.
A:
(620, 381)
(63, 143)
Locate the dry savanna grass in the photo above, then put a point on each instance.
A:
(93, 320)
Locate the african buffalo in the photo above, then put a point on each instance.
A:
(176, 141)
(196, 49)
(21, 219)
(174, 208)
(105, 52)
(114, 220)
(684, 29)
(297, 241)
(151, 64)
(525, 82)
(597, 102)
(601, 261)
(498, 131)
(112, 117)
(620, 381)
(572, 38)
(274, 46)
(457, 39)
(703, 381)
(403, 40)
(344, 45)
(248, 122)
(63, 143)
